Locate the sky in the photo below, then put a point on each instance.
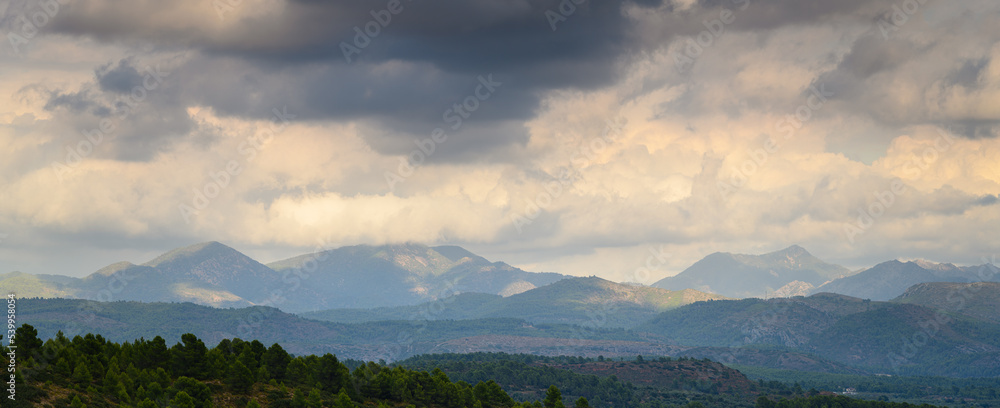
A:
(584, 137)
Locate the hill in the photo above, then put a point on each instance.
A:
(604, 382)
(890, 279)
(28, 285)
(389, 340)
(979, 300)
(877, 337)
(667, 374)
(592, 302)
(90, 370)
(790, 271)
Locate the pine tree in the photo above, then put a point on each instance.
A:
(77, 403)
(147, 403)
(26, 339)
(553, 398)
(276, 360)
(239, 378)
(581, 403)
(81, 375)
(315, 399)
(343, 401)
(182, 400)
(189, 357)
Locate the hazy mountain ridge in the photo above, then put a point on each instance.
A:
(739, 275)
(978, 299)
(129, 320)
(362, 276)
(824, 332)
(891, 279)
(216, 275)
(397, 275)
(868, 335)
(585, 301)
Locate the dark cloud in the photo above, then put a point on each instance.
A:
(426, 59)
(974, 129)
(968, 74)
(76, 102)
(147, 118)
(870, 55)
(988, 200)
(119, 79)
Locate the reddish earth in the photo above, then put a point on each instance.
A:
(672, 374)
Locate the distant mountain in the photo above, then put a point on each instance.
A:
(791, 271)
(28, 285)
(890, 279)
(216, 275)
(979, 300)
(591, 302)
(827, 332)
(209, 273)
(394, 275)
(878, 337)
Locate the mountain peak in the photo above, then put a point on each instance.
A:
(113, 268)
(204, 248)
(933, 266)
(455, 253)
(741, 275)
(793, 251)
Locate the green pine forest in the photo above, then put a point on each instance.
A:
(90, 371)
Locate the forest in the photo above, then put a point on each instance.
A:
(90, 371)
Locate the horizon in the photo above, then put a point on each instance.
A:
(652, 278)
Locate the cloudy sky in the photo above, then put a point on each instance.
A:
(578, 136)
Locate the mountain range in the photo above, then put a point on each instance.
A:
(216, 275)
(890, 279)
(912, 335)
(393, 280)
(788, 272)
(590, 302)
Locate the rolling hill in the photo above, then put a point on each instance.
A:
(592, 302)
(389, 340)
(791, 271)
(877, 337)
(979, 300)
